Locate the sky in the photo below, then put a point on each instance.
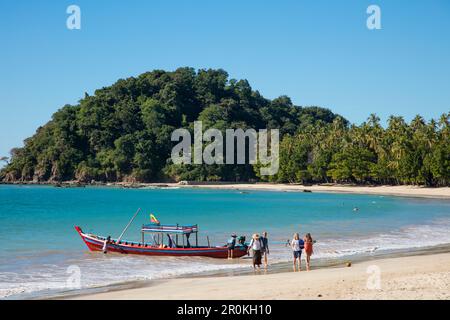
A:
(317, 52)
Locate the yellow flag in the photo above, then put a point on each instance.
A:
(153, 219)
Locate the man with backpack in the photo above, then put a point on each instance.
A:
(264, 247)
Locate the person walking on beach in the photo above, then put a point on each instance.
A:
(265, 247)
(231, 245)
(297, 246)
(308, 249)
(256, 245)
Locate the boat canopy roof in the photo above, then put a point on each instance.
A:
(169, 228)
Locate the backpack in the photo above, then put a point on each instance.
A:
(301, 243)
(263, 243)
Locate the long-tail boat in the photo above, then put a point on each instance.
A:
(157, 247)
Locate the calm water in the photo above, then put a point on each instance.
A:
(39, 242)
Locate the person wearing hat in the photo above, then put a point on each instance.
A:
(231, 244)
(256, 245)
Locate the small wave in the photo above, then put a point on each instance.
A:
(411, 237)
(99, 271)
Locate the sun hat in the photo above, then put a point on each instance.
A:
(233, 235)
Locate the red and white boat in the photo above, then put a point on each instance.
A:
(157, 247)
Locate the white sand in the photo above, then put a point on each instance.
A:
(416, 277)
(408, 191)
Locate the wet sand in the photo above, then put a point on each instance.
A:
(408, 277)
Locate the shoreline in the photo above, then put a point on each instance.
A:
(402, 191)
(383, 190)
(416, 276)
(236, 274)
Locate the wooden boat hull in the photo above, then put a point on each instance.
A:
(124, 247)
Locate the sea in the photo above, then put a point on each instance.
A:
(42, 255)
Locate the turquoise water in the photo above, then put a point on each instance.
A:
(40, 243)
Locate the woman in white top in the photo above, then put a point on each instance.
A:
(297, 245)
(256, 245)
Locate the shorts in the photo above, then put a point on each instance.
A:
(231, 247)
(297, 254)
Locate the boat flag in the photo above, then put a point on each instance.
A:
(153, 219)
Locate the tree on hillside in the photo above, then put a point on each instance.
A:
(123, 133)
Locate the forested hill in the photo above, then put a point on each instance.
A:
(123, 133)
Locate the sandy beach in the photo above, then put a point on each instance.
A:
(404, 191)
(413, 277)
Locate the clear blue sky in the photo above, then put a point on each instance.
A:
(317, 52)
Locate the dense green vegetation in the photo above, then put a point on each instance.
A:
(122, 133)
(416, 153)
